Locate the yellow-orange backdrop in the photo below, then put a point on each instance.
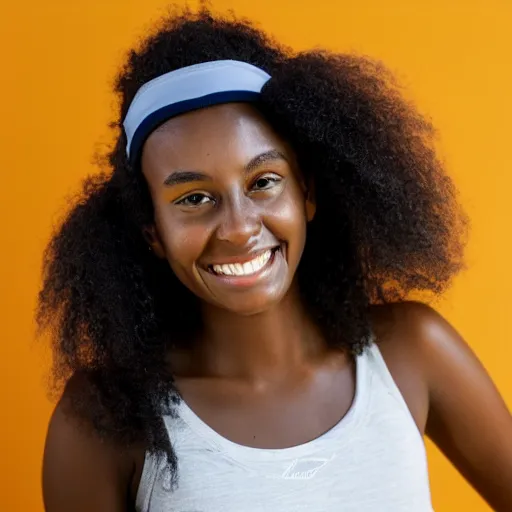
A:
(57, 63)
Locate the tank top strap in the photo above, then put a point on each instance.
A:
(378, 366)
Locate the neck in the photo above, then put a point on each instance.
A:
(260, 347)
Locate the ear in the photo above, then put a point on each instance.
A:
(310, 200)
(152, 237)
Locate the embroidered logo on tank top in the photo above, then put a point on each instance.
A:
(305, 469)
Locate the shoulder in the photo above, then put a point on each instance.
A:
(81, 469)
(450, 394)
(415, 333)
(413, 338)
(408, 317)
(414, 329)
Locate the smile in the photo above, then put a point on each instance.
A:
(247, 268)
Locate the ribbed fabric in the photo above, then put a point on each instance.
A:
(373, 460)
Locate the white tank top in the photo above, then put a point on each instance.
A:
(373, 460)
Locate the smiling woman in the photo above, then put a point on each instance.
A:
(229, 303)
(245, 201)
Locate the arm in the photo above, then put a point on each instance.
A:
(81, 472)
(451, 397)
(468, 420)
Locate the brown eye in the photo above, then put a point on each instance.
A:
(266, 182)
(194, 200)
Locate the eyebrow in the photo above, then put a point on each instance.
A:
(179, 177)
(268, 156)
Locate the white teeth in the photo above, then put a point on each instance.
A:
(244, 269)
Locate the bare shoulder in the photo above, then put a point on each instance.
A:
(414, 334)
(416, 331)
(450, 394)
(409, 317)
(81, 470)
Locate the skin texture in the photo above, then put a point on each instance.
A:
(260, 360)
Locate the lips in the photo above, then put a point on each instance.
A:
(243, 268)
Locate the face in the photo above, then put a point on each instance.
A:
(230, 205)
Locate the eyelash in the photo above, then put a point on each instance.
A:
(271, 178)
(185, 200)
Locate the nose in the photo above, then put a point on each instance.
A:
(240, 223)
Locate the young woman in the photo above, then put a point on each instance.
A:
(229, 304)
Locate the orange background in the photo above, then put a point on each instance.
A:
(58, 60)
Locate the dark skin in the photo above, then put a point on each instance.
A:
(226, 188)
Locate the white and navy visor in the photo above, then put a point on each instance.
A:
(185, 89)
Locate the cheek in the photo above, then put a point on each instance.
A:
(184, 242)
(288, 221)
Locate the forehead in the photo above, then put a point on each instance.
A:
(207, 138)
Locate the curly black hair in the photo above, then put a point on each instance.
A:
(388, 223)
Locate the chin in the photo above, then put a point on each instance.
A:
(251, 307)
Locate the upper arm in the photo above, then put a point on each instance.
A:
(451, 397)
(468, 419)
(81, 472)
